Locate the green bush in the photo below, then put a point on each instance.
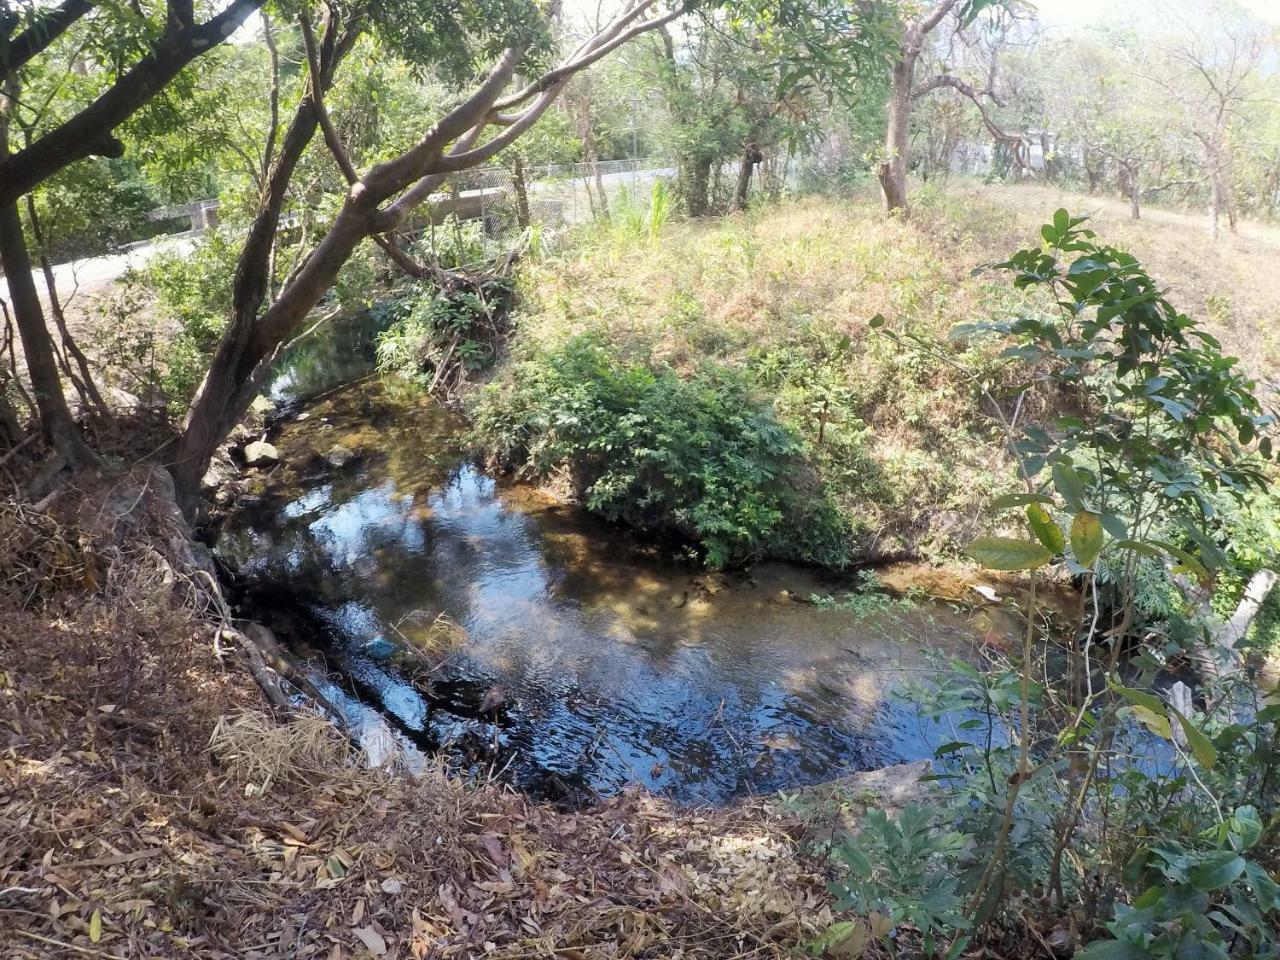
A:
(699, 455)
(192, 294)
(444, 337)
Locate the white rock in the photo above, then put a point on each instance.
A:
(261, 454)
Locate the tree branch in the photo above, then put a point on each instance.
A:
(331, 137)
(89, 131)
(38, 36)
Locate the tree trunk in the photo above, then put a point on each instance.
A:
(521, 188)
(1092, 171)
(56, 422)
(1215, 201)
(250, 346)
(742, 189)
(893, 168)
(11, 433)
(1135, 192)
(586, 129)
(88, 389)
(695, 181)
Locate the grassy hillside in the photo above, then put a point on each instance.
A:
(885, 450)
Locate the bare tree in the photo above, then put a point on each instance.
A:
(1213, 72)
(917, 34)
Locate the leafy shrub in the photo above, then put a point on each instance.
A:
(192, 292)
(697, 455)
(1132, 805)
(441, 337)
(899, 870)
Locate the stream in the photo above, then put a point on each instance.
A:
(453, 614)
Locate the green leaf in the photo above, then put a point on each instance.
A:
(1189, 563)
(1157, 723)
(1140, 697)
(1114, 526)
(1086, 537)
(1005, 553)
(1264, 888)
(1150, 897)
(1145, 549)
(1018, 500)
(95, 926)
(1112, 950)
(1217, 870)
(1046, 531)
(1069, 486)
(1246, 825)
(876, 322)
(1202, 749)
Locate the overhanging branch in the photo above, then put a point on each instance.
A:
(89, 132)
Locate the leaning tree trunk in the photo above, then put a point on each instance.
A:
(892, 172)
(253, 337)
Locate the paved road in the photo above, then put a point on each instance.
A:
(85, 275)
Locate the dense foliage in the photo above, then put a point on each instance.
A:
(702, 456)
(1083, 753)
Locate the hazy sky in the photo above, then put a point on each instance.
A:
(1083, 12)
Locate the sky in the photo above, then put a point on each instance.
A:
(1079, 13)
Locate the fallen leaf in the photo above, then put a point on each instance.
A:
(372, 939)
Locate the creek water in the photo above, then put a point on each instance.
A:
(450, 613)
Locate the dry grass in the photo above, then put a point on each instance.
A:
(1232, 286)
(912, 454)
(264, 752)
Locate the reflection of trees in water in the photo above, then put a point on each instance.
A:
(622, 666)
(339, 351)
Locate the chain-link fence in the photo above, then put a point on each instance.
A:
(553, 194)
(477, 211)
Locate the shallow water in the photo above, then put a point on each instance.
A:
(451, 612)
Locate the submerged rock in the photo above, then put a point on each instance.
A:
(339, 456)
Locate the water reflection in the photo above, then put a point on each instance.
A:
(583, 661)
